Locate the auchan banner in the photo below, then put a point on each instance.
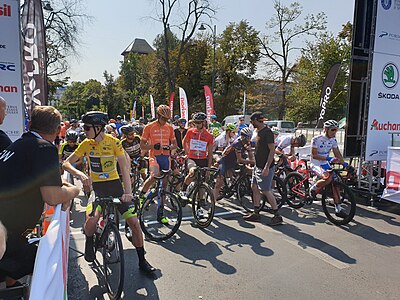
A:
(10, 68)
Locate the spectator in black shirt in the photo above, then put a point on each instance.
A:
(4, 139)
(29, 176)
(264, 169)
(180, 132)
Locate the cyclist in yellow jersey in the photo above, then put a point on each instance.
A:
(103, 153)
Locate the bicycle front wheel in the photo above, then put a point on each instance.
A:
(345, 198)
(160, 217)
(113, 261)
(296, 190)
(203, 205)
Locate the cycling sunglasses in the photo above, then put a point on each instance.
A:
(86, 127)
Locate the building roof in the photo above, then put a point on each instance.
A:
(138, 46)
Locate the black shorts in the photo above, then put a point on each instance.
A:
(202, 163)
(114, 189)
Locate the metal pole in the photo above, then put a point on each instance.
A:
(214, 60)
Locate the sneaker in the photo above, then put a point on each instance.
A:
(253, 217)
(145, 267)
(90, 256)
(163, 220)
(276, 220)
(201, 214)
(341, 214)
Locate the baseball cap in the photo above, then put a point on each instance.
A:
(257, 115)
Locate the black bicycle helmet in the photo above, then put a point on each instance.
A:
(95, 118)
(71, 135)
(82, 136)
(331, 124)
(301, 140)
(139, 129)
(127, 129)
(200, 116)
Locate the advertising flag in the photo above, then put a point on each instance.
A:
(244, 103)
(34, 55)
(171, 104)
(134, 110)
(209, 102)
(10, 68)
(326, 92)
(153, 110)
(51, 263)
(183, 104)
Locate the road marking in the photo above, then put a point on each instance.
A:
(188, 218)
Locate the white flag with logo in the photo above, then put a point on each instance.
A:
(49, 279)
(153, 110)
(183, 104)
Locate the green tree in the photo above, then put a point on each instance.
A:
(237, 57)
(72, 104)
(312, 68)
(278, 47)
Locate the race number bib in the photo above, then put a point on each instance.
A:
(197, 145)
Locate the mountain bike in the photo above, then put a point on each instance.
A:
(160, 214)
(298, 186)
(107, 240)
(199, 194)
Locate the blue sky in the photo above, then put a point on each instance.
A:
(117, 23)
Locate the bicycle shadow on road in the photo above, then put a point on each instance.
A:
(309, 215)
(234, 237)
(195, 251)
(305, 240)
(370, 233)
(138, 285)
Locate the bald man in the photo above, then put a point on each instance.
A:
(4, 139)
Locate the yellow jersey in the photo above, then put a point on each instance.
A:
(102, 157)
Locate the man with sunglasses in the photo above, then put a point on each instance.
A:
(264, 169)
(320, 160)
(232, 156)
(180, 132)
(284, 141)
(104, 152)
(159, 139)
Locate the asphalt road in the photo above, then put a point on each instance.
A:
(305, 258)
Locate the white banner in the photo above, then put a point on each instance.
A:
(49, 279)
(183, 104)
(384, 103)
(10, 68)
(392, 190)
(153, 110)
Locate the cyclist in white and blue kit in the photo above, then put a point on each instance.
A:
(321, 146)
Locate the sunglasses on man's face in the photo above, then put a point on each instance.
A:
(333, 129)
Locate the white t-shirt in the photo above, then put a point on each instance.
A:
(283, 141)
(221, 142)
(324, 146)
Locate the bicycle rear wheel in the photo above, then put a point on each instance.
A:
(113, 261)
(279, 191)
(203, 205)
(346, 200)
(153, 214)
(296, 190)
